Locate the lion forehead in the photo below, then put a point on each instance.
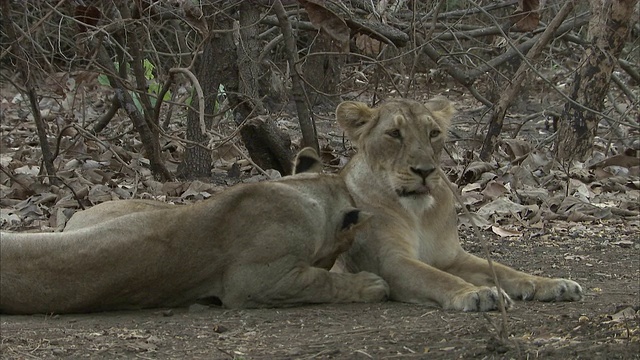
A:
(407, 115)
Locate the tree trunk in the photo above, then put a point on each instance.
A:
(217, 64)
(307, 124)
(268, 146)
(515, 87)
(608, 30)
(322, 71)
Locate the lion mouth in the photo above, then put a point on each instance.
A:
(421, 190)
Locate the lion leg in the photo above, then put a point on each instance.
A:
(413, 281)
(517, 284)
(306, 285)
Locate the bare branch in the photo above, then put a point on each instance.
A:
(309, 135)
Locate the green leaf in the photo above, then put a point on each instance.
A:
(136, 101)
(148, 69)
(154, 88)
(103, 80)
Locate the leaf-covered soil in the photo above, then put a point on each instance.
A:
(605, 325)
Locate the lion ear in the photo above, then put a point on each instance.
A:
(307, 160)
(353, 117)
(442, 109)
(353, 219)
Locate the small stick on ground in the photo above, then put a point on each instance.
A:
(502, 331)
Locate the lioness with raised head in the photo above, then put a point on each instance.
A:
(253, 245)
(412, 239)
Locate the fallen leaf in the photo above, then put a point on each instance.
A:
(471, 198)
(623, 160)
(470, 187)
(516, 148)
(623, 315)
(504, 207)
(527, 16)
(474, 170)
(494, 190)
(8, 217)
(623, 243)
(330, 23)
(504, 232)
(473, 220)
(368, 45)
(28, 170)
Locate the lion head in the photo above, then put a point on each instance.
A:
(400, 140)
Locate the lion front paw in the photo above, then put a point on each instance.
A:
(479, 299)
(372, 288)
(558, 290)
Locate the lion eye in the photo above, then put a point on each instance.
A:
(435, 133)
(395, 133)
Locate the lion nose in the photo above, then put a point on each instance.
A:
(423, 171)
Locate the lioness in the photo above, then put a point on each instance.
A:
(412, 239)
(253, 245)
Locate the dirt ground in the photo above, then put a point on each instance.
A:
(603, 257)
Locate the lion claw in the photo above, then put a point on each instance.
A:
(482, 299)
(560, 290)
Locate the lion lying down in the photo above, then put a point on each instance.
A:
(253, 245)
(412, 239)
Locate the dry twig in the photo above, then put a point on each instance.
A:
(502, 333)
